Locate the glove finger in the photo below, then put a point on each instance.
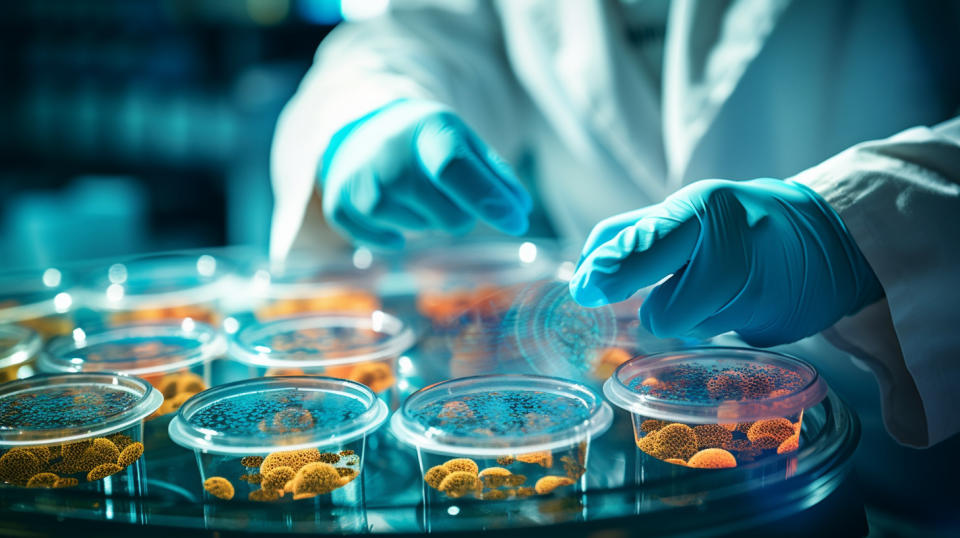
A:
(500, 168)
(714, 281)
(435, 207)
(639, 255)
(364, 193)
(453, 166)
(607, 229)
(342, 215)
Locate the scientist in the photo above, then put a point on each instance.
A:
(628, 109)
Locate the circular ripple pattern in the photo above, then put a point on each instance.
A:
(64, 407)
(712, 383)
(269, 414)
(501, 413)
(556, 335)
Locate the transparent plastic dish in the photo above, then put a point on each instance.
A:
(157, 287)
(173, 357)
(306, 283)
(358, 347)
(477, 275)
(283, 439)
(502, 437)
(38, 299)
(716, 407)
(18, 351)
(75, 431)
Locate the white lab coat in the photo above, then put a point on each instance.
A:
(751, 88)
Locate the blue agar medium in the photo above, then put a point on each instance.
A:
(557, 336)
(273, 414)
(505, 413)
(318, 342)
(56, 407)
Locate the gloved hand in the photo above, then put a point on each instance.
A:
(414, 165)
(766, 258)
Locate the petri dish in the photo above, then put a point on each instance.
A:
(75, 431)
(174, 357)
(359, 347)
(480, 276)
(306, 283)
(502, 437)
(18, 351)
(38, 299)
(280, 439)
(157, 287)
(716, 407)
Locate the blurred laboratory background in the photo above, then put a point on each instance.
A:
(145, 125)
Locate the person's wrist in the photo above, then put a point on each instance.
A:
(866, 283)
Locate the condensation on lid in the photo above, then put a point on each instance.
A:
(321, 340)
(17, 345)
(158, 280)
(134, 349)
(60, 408)
(262, 415)
(711, 384)
(498, 414)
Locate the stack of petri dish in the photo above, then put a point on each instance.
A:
(75, 431)
(716, 407)
(501, 439)
(288, 440)
(40, 300)
(359, 347)
(152, 288)
(303, 283)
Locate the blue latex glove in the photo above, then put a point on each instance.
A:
(413, 166)
(767, 258)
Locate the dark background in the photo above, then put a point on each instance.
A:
(144, 125)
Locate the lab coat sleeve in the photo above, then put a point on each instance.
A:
(446, 51)
(900, 200)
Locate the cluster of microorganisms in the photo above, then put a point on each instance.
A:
(502, 413)
(299, 474)
(462, 477)
(176, 389)
(269, 414)
(64, 407)
(446, 306)
(65, 465)
(327, 301)
(376, 375)
(197, 312)
(717, 446)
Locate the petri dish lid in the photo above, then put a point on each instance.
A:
(158, 280)
(134, 349)
(60, 408)
(31, 294)
(497, 414)
(17, 345)
(470, 263)
(321, 340)
(715, 384)
(257, 416)
(307, 272)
